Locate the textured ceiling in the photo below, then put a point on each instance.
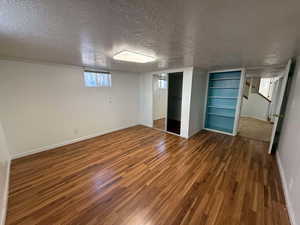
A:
(204, 33)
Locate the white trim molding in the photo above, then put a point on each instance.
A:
(164, 131)
(239, 103)
(218, 131)
(5, 194)
(67, 142)
(285, 191)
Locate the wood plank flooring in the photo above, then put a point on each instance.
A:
(142, 176)
(160, 124)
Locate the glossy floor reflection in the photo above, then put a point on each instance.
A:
(142, 176)
(160, 124)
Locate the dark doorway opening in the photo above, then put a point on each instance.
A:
(174, 102)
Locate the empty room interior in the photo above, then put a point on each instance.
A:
(149, 112)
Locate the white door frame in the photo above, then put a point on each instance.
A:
(239, 102)
(167, 102)
(278, 108)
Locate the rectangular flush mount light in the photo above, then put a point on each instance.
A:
(129, 56)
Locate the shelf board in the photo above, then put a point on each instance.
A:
(222, 97)
(226, 78)
(220, 107)
(222, 115)
(224, 87)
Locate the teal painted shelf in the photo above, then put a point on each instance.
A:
(226, 78)
(220, 107)
(223, 115)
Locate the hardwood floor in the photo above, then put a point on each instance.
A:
(160, 124)
(143, 176)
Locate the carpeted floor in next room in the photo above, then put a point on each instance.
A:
(255, 129)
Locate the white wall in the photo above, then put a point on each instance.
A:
(288, 149)
(255, 106)
(44, 105)
(159, 100)
(4, 175)
(146, 99)
(186, 101)
(198, 95)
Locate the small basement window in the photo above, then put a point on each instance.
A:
(97, 79)
(162, 83)
(266, 87)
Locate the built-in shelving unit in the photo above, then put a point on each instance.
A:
(219, 114)
(220, 107)
(224, 87)
(222, 100)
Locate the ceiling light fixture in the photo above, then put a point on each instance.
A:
(129, 56)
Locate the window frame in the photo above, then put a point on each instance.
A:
(98, 79)
(162, 83)
(270, 88)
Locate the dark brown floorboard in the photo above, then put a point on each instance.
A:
(142, 176)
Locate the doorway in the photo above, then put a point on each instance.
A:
(261, 98)
(174, 102)
(160, 99)
(167, 101)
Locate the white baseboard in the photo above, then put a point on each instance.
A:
(217, 131)
(255, 117)
(49, 147)
(165, 131)
(6, 191)
(162, 117)
(286, 192)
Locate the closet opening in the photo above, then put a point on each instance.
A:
(167, 101)
(174, 102)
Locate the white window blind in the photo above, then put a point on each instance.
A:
(97, 79)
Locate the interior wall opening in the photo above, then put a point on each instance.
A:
(167, 101)
(160, 98)
(258, 109)
(174, 102)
